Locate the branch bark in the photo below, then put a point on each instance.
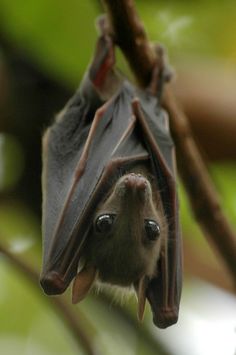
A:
(130, 35)
(132, 39)
(206, 92)
(202, 195)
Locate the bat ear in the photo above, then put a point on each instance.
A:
(140, 288)
(82, 283)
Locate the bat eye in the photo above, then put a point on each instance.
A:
(104, 223)
(152, 229)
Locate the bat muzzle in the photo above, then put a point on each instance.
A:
(135, 187)
(52, 283)
(135, 181)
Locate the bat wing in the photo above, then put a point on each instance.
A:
(83, 157)
(164, 291)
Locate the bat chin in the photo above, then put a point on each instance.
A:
(52, 283)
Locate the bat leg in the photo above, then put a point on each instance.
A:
(101, 71)
(161, 73)
(103, 62)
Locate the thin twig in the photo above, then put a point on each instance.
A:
(132, 39)
(202, 195)
(62, 308)
(130, 35)
(142, 332)
(70, 317)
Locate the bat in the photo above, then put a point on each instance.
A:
(110, 206)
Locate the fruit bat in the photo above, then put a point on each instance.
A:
(110, 208)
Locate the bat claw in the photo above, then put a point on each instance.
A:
(141, 295)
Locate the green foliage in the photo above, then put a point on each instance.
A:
(59, 36)
(11, 161)
(192, 27)
(29, 325)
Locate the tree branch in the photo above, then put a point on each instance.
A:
(130, 35)
(59, 304)
(132, 39)
(69, 315)
(206, 92)
(202, 195)
(141, 330)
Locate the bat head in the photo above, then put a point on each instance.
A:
(126, 232)
(125, 243)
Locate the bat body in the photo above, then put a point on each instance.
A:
(110, 210)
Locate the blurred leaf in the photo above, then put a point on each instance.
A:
(11, 161)
(27, 322)
(224, 176)
(190, 27)
(127, 339)
(60, 35)
(20, 231)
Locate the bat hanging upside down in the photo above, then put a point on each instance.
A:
(110, 209)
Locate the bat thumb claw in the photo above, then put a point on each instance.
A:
(141, 295)
(82, 284)
(141, 309)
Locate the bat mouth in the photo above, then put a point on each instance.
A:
(52, 283)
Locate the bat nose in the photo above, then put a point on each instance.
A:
(52, 283)
(135, 181)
